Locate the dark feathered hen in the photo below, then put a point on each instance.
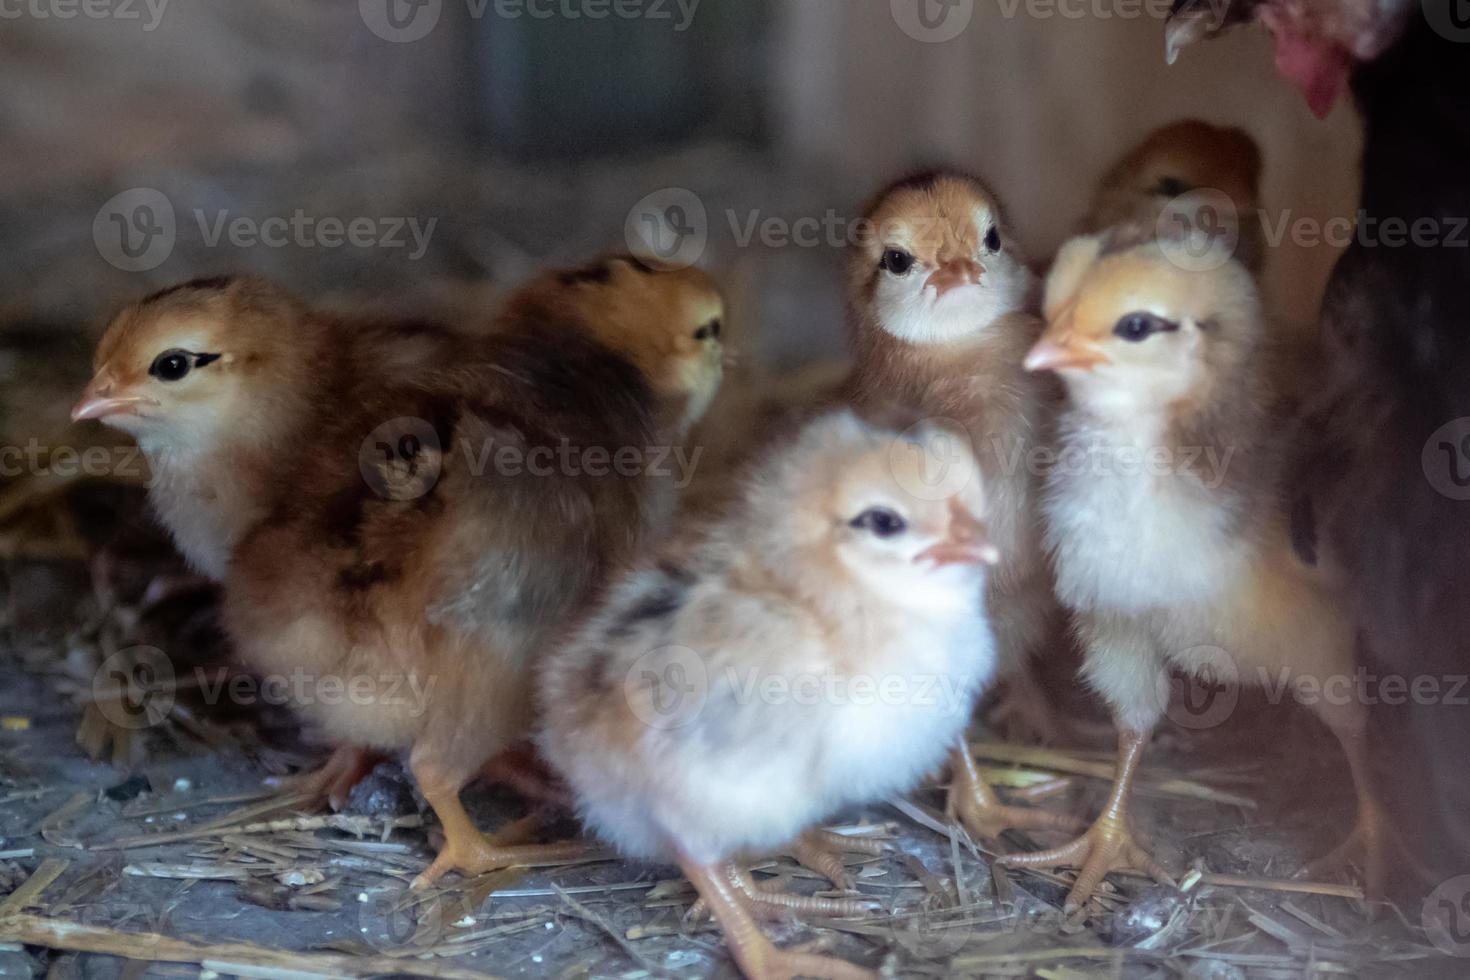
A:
(1383, 463)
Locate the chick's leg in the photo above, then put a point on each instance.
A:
(466, 849)
(757, 958)
(524, 771)
(1366, 845)
(974, 804)
(1020, 710)
(1107, 844)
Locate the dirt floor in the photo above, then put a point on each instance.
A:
(135, 821)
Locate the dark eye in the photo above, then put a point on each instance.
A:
(711, 329)
(1172, 187)
(881, 521)
(171, 365)
(992, 239)
(896, 261)
(1137, 326)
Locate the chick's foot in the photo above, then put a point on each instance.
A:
(466, 849)
(722, 888)
(330, 785)
(479, 853)
(771, 902)
(974, 804)
(822, 850)
(1365, 849)
(1106, 846)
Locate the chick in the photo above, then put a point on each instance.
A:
(1190, 171)
(938, 295)
(731, 695)
(447, 501)
(1170, 546)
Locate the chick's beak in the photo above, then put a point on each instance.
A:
(99, 400)
(1058, 349)
(967, 544)
(955, 273)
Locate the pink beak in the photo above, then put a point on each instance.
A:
(967, 544)
(955, 273)
(98, 402)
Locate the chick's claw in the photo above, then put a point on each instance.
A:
(770, 902)
(330, 785)
(725, 890)
(1106, 846)
(821, 851)
(974, 804)
(479, 853)
(1363, 849)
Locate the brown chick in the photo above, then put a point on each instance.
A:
(1169, 542)
(447, 501)
(938, 296)
(1206, 176)
(817, 647)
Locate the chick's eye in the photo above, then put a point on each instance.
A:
(171, 365)
(896, 261)
(992, 239)
(880, 521)
(1172, 187)
(1138, 326)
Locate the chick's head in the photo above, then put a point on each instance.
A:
(183, 368)
(667, 321)
(932, 262)
(1140, 325)
(898, 515)
(1175, 160)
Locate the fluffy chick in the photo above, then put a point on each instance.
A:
(1170, 546)
(427, 564)
(1188, 171)
(820, 647)
(938, 298)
